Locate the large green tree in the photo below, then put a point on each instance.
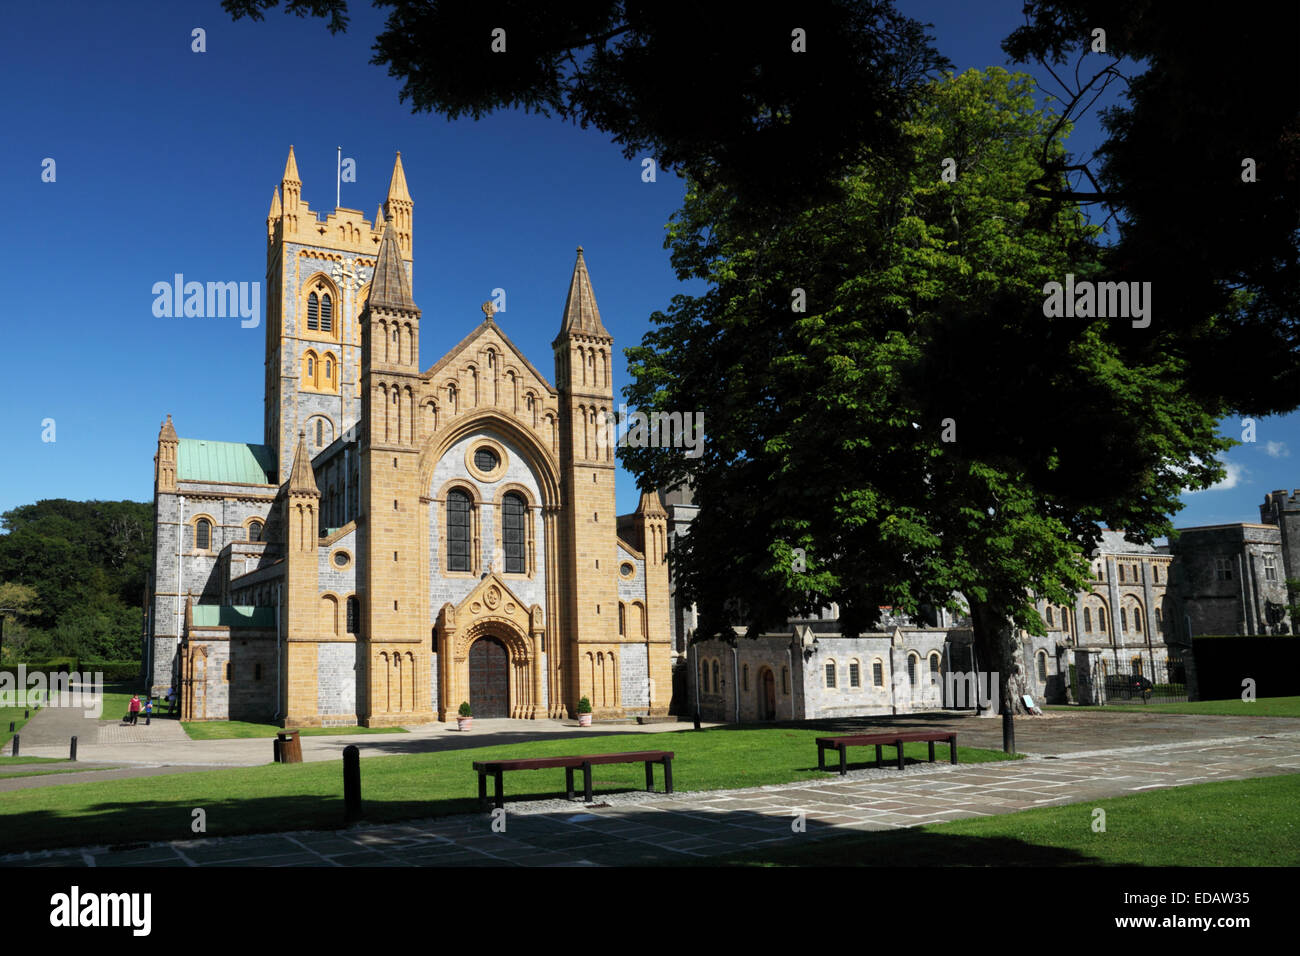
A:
(890, 416)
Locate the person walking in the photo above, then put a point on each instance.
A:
(135, 709)
(148, 711)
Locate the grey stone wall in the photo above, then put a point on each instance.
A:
(634, 672)
(336, 679)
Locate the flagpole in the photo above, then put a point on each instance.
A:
(338, 185)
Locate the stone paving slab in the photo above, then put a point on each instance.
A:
(639, 828)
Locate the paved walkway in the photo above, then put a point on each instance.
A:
(632, 829)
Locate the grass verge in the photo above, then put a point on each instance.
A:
(240, 729)
(1263, 707)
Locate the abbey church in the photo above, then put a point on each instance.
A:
(402, 540)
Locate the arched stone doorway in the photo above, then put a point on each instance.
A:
(766, 694)
(489, 678)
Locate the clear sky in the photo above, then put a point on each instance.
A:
(165, 163)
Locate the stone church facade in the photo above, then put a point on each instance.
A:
(402, 540)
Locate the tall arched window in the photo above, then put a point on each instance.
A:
(1050, 622)
(311, 368)
(911, 669)
(354, 616)
(326, 313)
(934, 669)
(1101, 619)
(202, 534)
(1087, 619)
(1123, 619)
(255, 531)
(512, 539)
(313, 312)
(1042, 667)
(320, 433)
(622, 619)
(458, 533)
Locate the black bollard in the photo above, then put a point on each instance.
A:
(351, 784)
(1008, 732)
(15, 753)
(697, 718)
(72, 754)
(12, 727)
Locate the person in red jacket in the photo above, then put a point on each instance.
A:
(135, 709)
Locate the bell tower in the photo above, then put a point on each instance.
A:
(589, 524)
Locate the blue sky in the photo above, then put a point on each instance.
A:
(166, 161)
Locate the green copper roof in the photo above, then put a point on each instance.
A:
(225, 461)
(216, 615)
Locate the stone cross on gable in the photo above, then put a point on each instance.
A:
(488, 310)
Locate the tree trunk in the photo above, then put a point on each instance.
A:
(996, 648)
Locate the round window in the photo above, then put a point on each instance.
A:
(485, 459)
(626, 570)
(341, 558)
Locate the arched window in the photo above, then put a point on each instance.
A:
(451, 397)
(313, 312)
(202, 535)
(878, 673)
(1087, 619)
(715, 677)
(1160, 622)
(255, 531)
(354, 616)
(1042, 667)
(320, 433)
(1137, 621)
(512, 539)
(855, 674)
(934, 669)
(1050, 621)
(1121, 574)
(326, 313)
(622, 619)
(1123, 619)
(1101, 619)
(830, 673)
(911, 669)
(458, 532)
(311, 368)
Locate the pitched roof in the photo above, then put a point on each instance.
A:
(390, 288)
(225, 461)
(479, 330)
(580, 312)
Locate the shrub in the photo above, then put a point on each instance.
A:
(464, 709)
(584, 706)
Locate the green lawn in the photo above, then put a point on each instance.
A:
(310, 795)
(229, 729)
(16, 761)
(1230, 823)
(16, 716)
(1264, 707)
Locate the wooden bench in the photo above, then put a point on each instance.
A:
(842, 744)
(498, 767)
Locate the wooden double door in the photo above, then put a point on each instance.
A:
(489, 678)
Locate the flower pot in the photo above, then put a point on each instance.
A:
(584, 720)
(464, 723)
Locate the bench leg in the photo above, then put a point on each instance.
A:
(482, 790)
(501, 799)
(844, 760)
(568, 782)
(586, 781)
(880, 757)
(821, 757)
(931, 751)
(649, 776)
(898, 745)
(668, 775)
(952, 748)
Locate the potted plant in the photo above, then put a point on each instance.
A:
(584, 713)
(466, 719)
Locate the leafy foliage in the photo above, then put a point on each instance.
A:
(1223, 254)
(709, 89)
(825, 428)
(82, 568)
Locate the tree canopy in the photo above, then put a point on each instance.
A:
(777, 107)
(83, 567)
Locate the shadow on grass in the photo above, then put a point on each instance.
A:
(466, 837)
